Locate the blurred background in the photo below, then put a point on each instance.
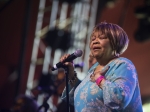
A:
(35, 33)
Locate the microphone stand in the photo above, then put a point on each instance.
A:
(67, 88)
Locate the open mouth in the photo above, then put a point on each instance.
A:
(96, 48)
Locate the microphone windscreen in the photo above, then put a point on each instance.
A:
(78, 53)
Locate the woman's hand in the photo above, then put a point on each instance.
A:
(96, 75)
(69, 65)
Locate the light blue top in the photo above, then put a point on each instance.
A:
(120, 92)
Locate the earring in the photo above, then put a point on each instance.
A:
(115, 54)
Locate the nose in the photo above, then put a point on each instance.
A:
(95, 41)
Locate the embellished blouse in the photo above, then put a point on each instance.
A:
(119, 93)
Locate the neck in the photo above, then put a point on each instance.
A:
(104, 62)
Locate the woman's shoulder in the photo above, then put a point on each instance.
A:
(123, 60)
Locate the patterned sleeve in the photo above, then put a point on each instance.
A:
(72, 89)
(71, 93)
(119, 88)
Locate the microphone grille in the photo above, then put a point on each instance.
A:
(78, 53)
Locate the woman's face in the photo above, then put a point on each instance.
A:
(100, 46)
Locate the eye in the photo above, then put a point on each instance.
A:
(102, 37)
(93, 37)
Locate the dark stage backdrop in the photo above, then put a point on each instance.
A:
(17, 35)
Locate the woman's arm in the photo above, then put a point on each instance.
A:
(72, 88)
(118, 91)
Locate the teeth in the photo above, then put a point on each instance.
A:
(96, 49)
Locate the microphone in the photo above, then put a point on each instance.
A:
(70, 58)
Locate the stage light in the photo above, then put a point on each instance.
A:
(46, 83)
(143, 32)
(143, 14)
(59, 39)
(110, 3)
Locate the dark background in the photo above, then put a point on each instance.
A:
(17, 29)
